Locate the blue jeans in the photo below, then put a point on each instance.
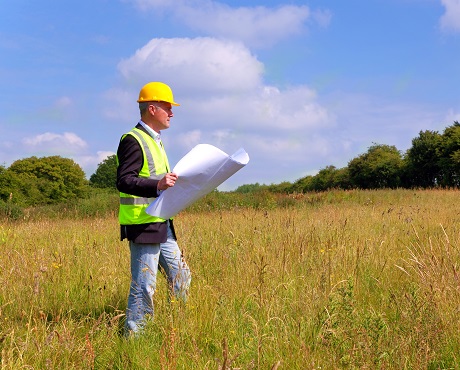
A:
(144, 268)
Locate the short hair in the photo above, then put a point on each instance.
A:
(143, 106)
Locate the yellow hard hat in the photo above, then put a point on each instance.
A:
(156, 91)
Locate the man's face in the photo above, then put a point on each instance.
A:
(161, 113)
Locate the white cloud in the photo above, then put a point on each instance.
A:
(200, 65)
(263, 109)
(67, 141)
(67, 145)
(221, 81)
(451, 18)
(189, 139)
(290, 109)
(102, 155)
(257, 26)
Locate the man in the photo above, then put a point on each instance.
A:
(143, 173)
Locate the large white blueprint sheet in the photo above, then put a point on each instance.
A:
(199, 172)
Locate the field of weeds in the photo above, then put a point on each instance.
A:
(339, 280)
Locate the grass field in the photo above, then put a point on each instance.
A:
(337, 280)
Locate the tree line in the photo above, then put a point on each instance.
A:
(433, 160)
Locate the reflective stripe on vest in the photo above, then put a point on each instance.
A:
(155, 165)
(132, 200)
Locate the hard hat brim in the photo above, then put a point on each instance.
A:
(146, 101)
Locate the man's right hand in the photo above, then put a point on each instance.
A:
(167, 181)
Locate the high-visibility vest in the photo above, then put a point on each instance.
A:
(132, 208)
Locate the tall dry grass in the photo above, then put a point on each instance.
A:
(362, 279)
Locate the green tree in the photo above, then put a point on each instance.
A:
(449, 156)
(324, 179)
(380, 167)
(283, 187)
(46, 180)
(8, 209)
(302, 185)
(5, 183)
(342, 179)
(106, 173)
(327, 178)
(248, 188)
(330, 177)
(422, 161)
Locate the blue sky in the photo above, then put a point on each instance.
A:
(300, 85)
